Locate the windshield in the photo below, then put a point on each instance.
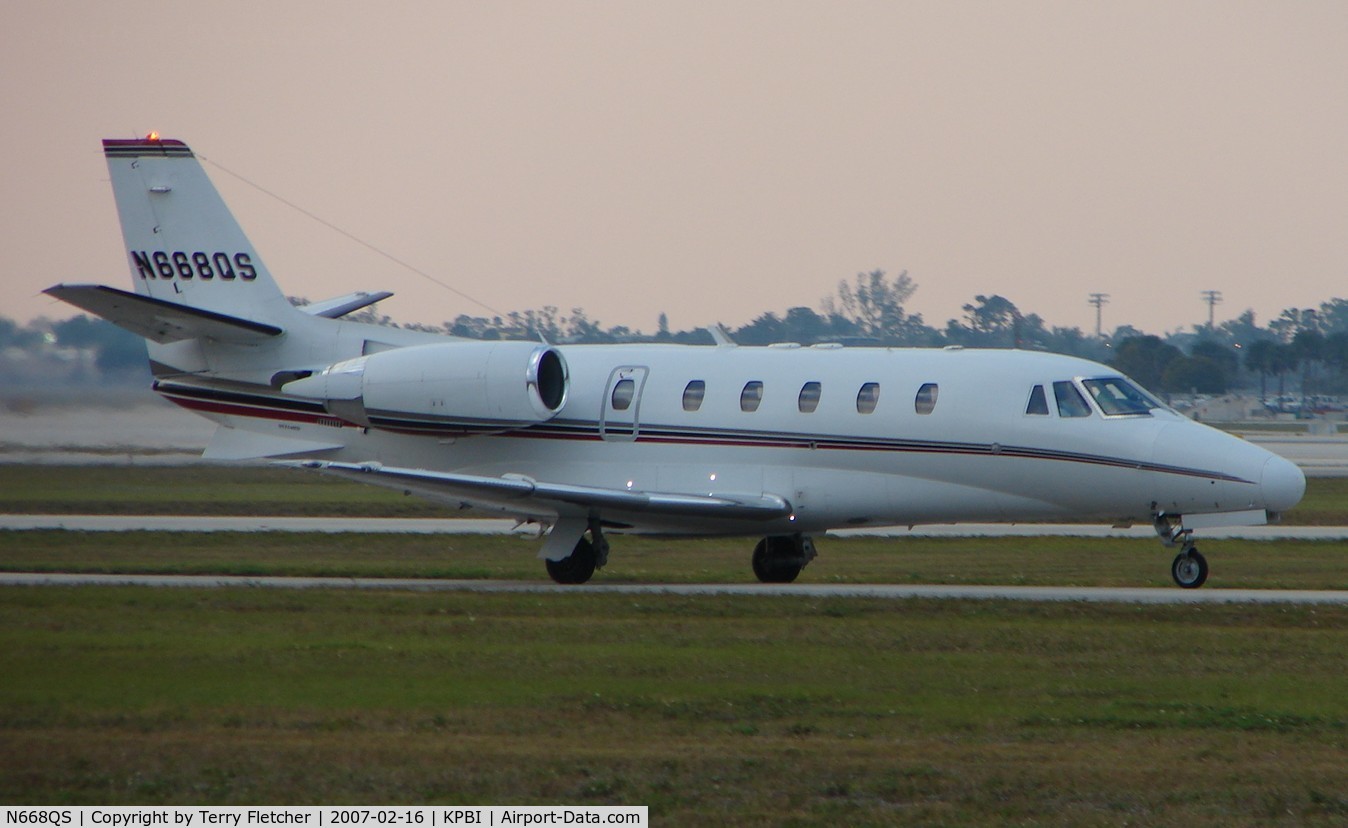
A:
(1118, 396)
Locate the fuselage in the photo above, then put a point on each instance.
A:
(848, 436)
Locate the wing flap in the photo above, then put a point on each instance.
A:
(237, 444)
(161, 321)
(560, 498)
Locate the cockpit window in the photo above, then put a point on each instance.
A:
(1038, 403)
(1070, 401)
(1117, 396)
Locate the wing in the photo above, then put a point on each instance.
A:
(158, 320)
(520, 495)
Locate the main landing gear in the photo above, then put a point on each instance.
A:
(778, 559)
(586, 556)
(1189, 569)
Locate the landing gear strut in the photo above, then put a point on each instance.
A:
(588, 555)
(1189, 569)
(778, 559)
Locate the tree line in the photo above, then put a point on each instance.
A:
(1303, 349)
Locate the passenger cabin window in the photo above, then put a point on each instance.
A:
(1038, 403)
(1070, 401)
(622, 395)
(925, 402)
(809, 397)
(693, 393)
(1117, 396)
(868, 397)
(751, 396)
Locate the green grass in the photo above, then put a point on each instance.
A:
(262, 490)
(1018, 561)
(732, 711)
(715, 710)
(1324, 504)
(197, 490)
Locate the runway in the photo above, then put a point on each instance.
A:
(468, 526)
(1129, 595)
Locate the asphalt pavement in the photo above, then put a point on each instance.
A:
(469, 526)
(1130, 595)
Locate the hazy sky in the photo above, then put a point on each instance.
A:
(711, 160)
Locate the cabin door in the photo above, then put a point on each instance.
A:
(622, 403)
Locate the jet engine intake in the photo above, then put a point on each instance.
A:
(451, 387)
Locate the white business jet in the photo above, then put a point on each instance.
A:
(780, 442)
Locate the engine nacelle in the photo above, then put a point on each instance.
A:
(450, 387)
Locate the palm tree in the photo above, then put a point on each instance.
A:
(1259, 357)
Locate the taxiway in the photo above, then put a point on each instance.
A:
(1130, 595)
(487, 526)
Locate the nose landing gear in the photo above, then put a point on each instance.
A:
(1189, 569)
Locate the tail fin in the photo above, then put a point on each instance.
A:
(203, 297)
(183, 244)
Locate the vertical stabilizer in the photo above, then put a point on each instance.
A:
(182, 242)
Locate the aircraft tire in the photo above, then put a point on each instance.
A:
(1189, 569)
(777, 561)
(576, 568)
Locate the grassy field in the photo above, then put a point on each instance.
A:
(262, 490)
(724, 710)
(196, 490)
(1019, 561)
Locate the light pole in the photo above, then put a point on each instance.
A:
(1099, 300)
(1213, 298)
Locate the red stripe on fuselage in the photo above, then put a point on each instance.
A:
(835, 444)
(260, 413)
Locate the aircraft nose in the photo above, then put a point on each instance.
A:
(1282, 483)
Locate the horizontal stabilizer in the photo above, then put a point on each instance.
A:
(342, 305)
(159, 320)
(238, 444)
(560, 498)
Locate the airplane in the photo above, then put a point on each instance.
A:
(781, 442)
